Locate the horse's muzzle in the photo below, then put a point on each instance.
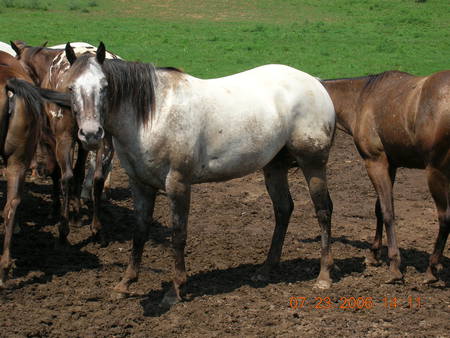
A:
(91, 137)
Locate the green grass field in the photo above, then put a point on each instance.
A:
(327, 38)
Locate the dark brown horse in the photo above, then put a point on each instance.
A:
(399, 120)
(47, 67)
(20, 128)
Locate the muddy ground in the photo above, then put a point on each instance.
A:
(68, 293)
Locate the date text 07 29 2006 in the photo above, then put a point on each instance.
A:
(355, 302)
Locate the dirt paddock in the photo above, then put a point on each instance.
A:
(68, 293)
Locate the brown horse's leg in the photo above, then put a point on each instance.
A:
(179, 194)
(144, 202)
(64, 159)
(381, 179)
(56, 193)
(15, 177)
(275, 175)
(99, 180)
(315, 175)
(439, 188)
(373, 257)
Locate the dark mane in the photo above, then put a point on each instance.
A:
(132, 81)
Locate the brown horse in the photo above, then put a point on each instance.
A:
(399, 120)
(47, 67)
(20, 122)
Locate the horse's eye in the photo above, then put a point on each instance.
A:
(70, 89)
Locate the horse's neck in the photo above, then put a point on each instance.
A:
(41, 63)
(345, 94)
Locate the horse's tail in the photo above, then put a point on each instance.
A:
(34, 98)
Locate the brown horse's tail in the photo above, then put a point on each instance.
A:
(33, 103)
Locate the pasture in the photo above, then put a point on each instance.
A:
(68, 293)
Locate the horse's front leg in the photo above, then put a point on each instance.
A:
(179, 193)
(15, 175)
(64, 147)
(75, 189)
(99, 181)
(144, 202)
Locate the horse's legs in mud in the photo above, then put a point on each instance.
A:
(86, 191)
(438, 183)
(373, 257)
(107, 165)
(179, 194)
(315, 175)
(144, 202)
(64, 159)
(380, 174)
(275, 175)
(77, 182)
(99, 181)
(56, 193)
(15, 175)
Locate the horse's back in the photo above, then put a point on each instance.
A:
(242, 121)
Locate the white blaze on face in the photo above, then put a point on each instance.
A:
(88, 94)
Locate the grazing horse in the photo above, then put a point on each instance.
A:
(47, 67)
(399, 120)
(20, 126)
(172, 130)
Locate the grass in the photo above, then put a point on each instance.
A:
(214, 38)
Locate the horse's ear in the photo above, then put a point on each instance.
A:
(17, 46)
(44, 44)
(70, 54)
(101, 53)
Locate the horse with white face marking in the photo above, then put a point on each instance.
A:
(47, 67)
(172, 130)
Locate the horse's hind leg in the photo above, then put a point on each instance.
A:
(275, 175)
(144, 201)
(381, 176)
(315, 174)
(15, 177)
(373, 257)
(439, 188)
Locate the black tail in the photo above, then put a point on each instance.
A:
(35, 95)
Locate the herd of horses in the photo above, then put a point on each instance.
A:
(171, 130)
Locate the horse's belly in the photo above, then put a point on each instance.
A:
(229, 166)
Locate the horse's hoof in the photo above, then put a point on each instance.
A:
(322, 284)
(395, 280)
(372, 261)
(430, 278)
(119, 295)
